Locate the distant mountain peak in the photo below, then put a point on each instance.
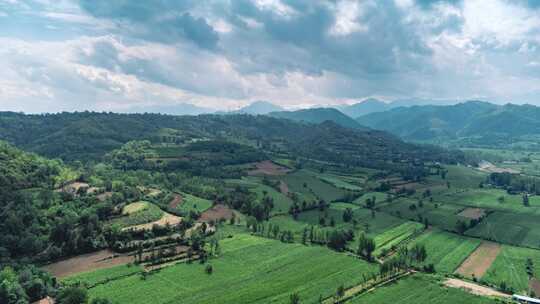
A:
(260, 107)
(319, 116)
(366, 106)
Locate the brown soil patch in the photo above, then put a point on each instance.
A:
(283, 187)
(216, 213)
(167, 218)
(267, 167)
(480, 260)
(472, 213)
(72, 187)
(534, 284)
(87, 262)
(176, 201)
(104, 196)
(474, 288)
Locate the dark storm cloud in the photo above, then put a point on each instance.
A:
(164, 20)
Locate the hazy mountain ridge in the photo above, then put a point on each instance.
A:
(469, 119)
(319, 115)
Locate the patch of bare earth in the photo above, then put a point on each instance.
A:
(474, 288)
(104, 196)
(283, 188)
(480, 260)
(166, 219)
(87, 262)
(176, 201)
(267, 167)
(216, 213)
(534, 284)
(473, 213)
(72, 187)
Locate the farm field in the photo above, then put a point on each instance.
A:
(510, 267)
(393, 236)
(138, 213)
(282, 203)
(489, 199)
(307, 183)
(446, 251)
(258, 270)
(91, 278)
(479, 261)
(193, 203)
(419, 289)
(509, 228)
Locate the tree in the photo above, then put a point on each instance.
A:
(347, 215)
(294, 298)
(100, 301)
(340, 292)
(72, 295)
(11, 292)
(366, 246)
(525, 200)
(209, 269)
(461, 227)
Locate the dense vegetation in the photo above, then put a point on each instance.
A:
(473, 123)
(224, 200)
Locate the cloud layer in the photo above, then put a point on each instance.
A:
(122, 55)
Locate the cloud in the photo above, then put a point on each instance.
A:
(98, 54)
(164, 20)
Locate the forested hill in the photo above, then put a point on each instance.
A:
(86, 136)
(481, 120)
(319, 115)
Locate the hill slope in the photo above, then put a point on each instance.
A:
(319, 115)
(471, 121)
(367, 106)
(86, 136)
(259, 108)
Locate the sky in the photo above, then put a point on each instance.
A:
(102, 55)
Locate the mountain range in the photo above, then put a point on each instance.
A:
(473, 120)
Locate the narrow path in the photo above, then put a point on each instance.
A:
(474, 288)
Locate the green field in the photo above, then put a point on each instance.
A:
(307, 183)
(510, 267)
(250, 270)
(144, 215)
(343, 182)
(419, 289)
(489, 199)
(93, 277)
(446, 251)
(438, 214)
(282, 203)
(392, 237)
(510, 228)
(193, 203)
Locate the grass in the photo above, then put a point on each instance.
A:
(340, 182)
(307, 183)
(147, 214)
(250, 270)
(379, 197)
(509, 266)
(193, 203)
(510, 228)
(102, 275)
(419, 289)
(134, 207)
(281, 201)
(395, 235)
(446, 250)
